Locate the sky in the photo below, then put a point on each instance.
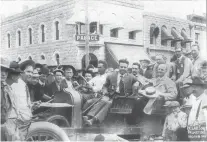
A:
(175, 8)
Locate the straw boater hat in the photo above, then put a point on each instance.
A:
(25, 63)
(144, 60)
(172, 104)
(69, 66)
(58, 70)
(150, 92)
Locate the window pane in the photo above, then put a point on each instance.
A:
(114, 33)
(82, 29)
(93, 28)
(132, 35)
(101, 29)
(30, 36)
(43, 33)
(19, 38)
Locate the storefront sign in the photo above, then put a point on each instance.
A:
(83, 37)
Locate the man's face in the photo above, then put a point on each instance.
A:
(88, 76)
(135, 69)
(178, 53)
(58, 77)
(38, 69)
(27, 74)
(15, 77)
(43, 78)
(144, 64)
(4, 74)
(34, 80)
(68, 74)
(204, 71)
(161, 70)
(101, 68)
(194, 51)
(123, 67)
(159, 60)
(187, 91)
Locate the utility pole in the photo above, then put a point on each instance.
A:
(86, 33)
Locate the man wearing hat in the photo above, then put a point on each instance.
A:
(146, 68)
(9, 75)
(198, 116)
(58, 84)
(202, 71)
(184, 66)
(174, 128)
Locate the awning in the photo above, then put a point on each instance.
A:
(165, 35)
(130, 52)
(185, 36)
(176, 35)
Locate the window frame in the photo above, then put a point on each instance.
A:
(133, 34)
(114, 33)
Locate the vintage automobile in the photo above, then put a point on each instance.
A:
(66, 112)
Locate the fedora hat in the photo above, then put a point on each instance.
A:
(25, 63)
(87, 71)
(14, 67)
(5, 63)
(171, 104)
(69, 67)
(144, 60)
(44, 70)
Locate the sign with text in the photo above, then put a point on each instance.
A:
(83, 37)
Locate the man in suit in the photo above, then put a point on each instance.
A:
(117, 83)
(146, 68)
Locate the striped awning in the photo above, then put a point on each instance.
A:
(185, 36)
(176, 35)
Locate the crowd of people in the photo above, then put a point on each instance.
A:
(178, 86)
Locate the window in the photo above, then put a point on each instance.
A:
(19, 38)
(152, 36)
(163, 34)
(9, 40)
(82, 28)
(57, 30)
(132, 35)
(76, 27)
(30, 36)
(114, 33)
(42, 57)
(197, 36)
(101, 29)
(43, 33)
(183, 44)
(173, 43)
(93, 28)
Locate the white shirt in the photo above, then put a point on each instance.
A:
(41, 83)
(98, 82)
(202, 113)
(118, 81)
(23, 103)
(69, 83)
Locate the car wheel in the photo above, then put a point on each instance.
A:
(45, 131)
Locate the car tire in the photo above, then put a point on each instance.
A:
(43, 131)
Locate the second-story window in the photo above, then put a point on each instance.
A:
(93, 28)
(132, 35)
(30, 36)
(43, 33)
(114, 32)
(57, 33)
(19, 38)
(197, 36)
(82, 28)
(9, 40)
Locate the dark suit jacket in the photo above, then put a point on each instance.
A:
(148, 72)
(128, 79)
(52, 88)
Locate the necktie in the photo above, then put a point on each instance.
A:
(121, 86)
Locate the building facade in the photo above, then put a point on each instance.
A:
(163, 34)
(199, 36)
(55, 32)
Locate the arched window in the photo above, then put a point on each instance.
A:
(163, 36)
(30, 35)
(9, 40)
(57, 32)
(43, 57)
(152, 35)
(19, 37)
(43, 33)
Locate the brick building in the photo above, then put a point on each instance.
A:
(162, 34)
(55, 32)
(199, 27)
